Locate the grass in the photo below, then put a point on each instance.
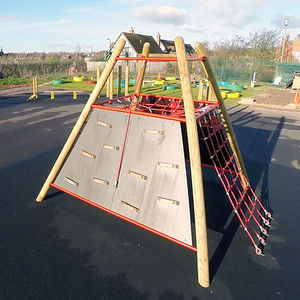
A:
(18, 81)
(14, 81)
(248, 92)
(147, 88)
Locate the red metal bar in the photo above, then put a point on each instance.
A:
(125, 218)
(140, 113)
(148, 58)
(159, 58)
(178, 98)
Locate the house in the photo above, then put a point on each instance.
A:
(168, 46)
(135, 42)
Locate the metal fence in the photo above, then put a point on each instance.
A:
(286, 71)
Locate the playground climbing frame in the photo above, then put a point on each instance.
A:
(135, 136)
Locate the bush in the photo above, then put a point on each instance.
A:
(27, 70)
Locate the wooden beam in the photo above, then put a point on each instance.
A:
(98, 72)
(195, 164)
(210, 91)
(111, 85)
(141, 73)
(127, 79)
(119, 76)
(200, 91)
(108, 87)
(226, 121)
(36, 87)
(83, 116)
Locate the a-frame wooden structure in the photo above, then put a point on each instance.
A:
(208, 118)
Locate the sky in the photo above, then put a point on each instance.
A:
(29, 26)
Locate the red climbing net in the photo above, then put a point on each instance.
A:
(253, 216)
(157, 105)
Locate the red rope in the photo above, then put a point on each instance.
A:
(123, 148)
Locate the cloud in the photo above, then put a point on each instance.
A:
(161, 14)
(11, 18)
(192, 28)
(93, 9)
(19, 27)
(233, 13)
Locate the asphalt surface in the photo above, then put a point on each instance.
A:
(65, 249)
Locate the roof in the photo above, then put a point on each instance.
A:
(170, 46)
(137, 41)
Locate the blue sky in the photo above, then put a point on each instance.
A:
(27, 26)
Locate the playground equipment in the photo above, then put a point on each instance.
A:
(57, 81)
(169, 78)
(90, 82)
(78, 78)
(159, 82)
(224, 94)
(235, 87)
(233, 95)
(52, 94)
(170, 87)
(34, 95)
(128, 156)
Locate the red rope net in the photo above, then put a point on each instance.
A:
(253, 216)
(158, 105)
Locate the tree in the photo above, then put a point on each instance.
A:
(263, 43)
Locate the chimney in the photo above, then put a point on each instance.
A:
(131, 30)
(158, 39)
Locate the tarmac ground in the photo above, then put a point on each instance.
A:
(63, 248)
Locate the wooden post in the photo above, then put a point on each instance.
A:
(36, 87)
(34, 95)
(210, 91)
(140, 78)
(119, 80)
(83, 116)
(126, 79)
(111, 84)
(74, 95)
(195, 164)
(227, 124)
(108, 87)
(98, 72)
(207, 91)
(33, 87)
(200, 91)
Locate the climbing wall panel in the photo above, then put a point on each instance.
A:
(153, 182)
(91, 168)
(146, 182)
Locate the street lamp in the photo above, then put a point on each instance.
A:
(286, 22)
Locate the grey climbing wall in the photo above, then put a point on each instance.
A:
(152, 182)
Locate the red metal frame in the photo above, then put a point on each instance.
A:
(101, 105)
(177, 98)
(134, 112)
(159, 58)
(125, 218)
